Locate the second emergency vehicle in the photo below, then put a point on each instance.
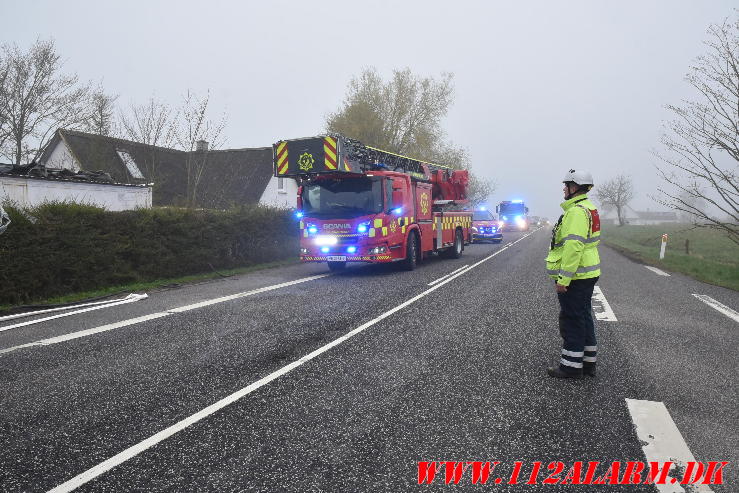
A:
(485, 227)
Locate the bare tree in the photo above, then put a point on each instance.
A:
(36, 99)
(700, 146)
(4, 121)
(151, 123)
(480, 190)
(198, 135)
(617, 193)
(101, 113)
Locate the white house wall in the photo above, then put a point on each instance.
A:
(61, 158)
(276, 198)
(33, 192)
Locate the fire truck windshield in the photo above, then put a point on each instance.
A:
(512, 209)
(350, 197)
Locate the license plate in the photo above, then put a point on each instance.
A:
(336, 258)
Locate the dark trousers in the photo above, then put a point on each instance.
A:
(579, 347)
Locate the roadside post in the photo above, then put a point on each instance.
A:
(662, 247)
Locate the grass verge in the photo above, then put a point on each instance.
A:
(159, 283)
(709, 256)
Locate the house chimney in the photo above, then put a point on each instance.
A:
(201, 146)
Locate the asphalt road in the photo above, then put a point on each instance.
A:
(454, 373)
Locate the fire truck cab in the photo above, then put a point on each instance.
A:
(360, 204)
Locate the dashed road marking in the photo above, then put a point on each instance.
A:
(140, 447)
(657, 271)
(131, 298)
(661, 439)
(601, 307)
(152, 316)
(732, 314)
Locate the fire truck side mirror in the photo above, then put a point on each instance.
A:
(496, 209)
(527, 210)
(300, 198)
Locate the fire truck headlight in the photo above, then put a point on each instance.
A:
(351, 249)
(474, 229)
(505, 218)
(303, 251)
(312, 229)
(378, 250)
(363, 227)
(325, 249)
(326, 240)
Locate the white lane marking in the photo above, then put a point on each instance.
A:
(732, 314)
(444, 277)
(657, 271)
(131, 298)
(152, 316)
(136, 449)
(663, 440)
(58, 309)
(603, 311)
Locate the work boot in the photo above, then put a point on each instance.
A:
(557, 372)
(588, 369)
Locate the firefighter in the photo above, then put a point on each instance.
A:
(574, 264)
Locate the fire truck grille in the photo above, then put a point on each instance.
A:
(348, 240)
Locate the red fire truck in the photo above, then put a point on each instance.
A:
(357, 203)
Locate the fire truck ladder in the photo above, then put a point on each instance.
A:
(374, 158)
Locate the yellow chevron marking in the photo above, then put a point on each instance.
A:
(328, 151)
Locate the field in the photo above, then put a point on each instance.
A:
(711, 257)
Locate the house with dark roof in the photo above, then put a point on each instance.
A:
(230, 177)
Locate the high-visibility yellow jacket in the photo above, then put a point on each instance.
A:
(573, 252)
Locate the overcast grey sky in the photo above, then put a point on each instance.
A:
(541, 86)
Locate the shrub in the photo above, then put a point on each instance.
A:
(59, 248)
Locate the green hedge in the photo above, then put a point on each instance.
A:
(61, 248)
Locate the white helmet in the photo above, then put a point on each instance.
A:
(579, 177)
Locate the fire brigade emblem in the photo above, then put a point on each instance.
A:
(305, 161)
(393, 227)
(425, 204)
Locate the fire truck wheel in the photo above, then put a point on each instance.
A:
(411, 252)
(456, 250)
(336, 266)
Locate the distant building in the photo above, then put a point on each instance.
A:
(640, 218)
(231, 177)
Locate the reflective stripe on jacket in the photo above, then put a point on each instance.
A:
(573, 253)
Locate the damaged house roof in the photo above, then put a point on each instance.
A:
(230, 177)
